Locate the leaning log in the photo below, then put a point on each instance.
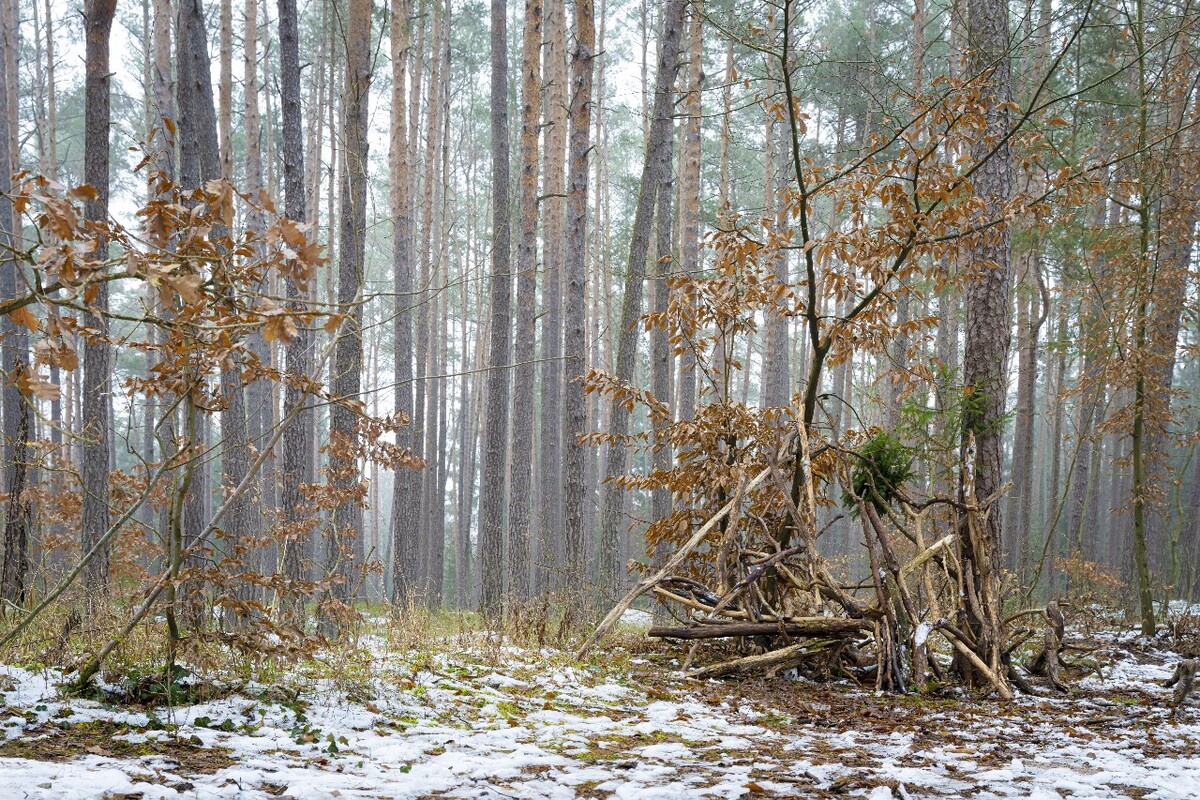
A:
(797, 626)
(674, 561)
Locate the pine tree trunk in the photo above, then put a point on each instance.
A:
(404, 509)
(689, 197)
(98, 18)
(550, 510)
(295, 467)
(655, 171)
(491, 511)
(988, 331)
(776, 370)
(520, 485)
(225, 95)
(660, 345)
(345, 541)
(574, 299)
(14, 355)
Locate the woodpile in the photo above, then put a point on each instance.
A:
(775, 596)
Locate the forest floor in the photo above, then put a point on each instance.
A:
(472, 716)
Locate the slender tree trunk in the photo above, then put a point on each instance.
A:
(97, 370)
(1029, 323)
(574, 300)
(655, 171)
(521, 467)
(550, 512)
(345, 541)
(776, 370)
(427, 319)
(660, 345)
(724, 195)
(689, 195)
(225, 95)
(14, 353)
(295, 457)
(491, 512)
(404, 509)
(465, 475)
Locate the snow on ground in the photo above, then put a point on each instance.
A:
(488, 722)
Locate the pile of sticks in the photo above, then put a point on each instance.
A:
(776, 596)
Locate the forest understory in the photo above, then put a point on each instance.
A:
(451, 710)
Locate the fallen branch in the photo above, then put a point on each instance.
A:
(775, 659)
(812, 626)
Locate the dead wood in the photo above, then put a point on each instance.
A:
(775, 659)
(949, 633)
(814, 626)
(674, 561)
(1183, 680)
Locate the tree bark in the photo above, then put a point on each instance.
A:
(574, 300)
(404, 509)
(97, 358)
(550, 509)
(491, 511)
(520, 500)
(14, 354)
(988, 329)
(345, 541)
(689, 197)
(295, 457)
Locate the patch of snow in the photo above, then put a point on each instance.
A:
(636, 618)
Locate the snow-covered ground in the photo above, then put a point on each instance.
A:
(484, 720)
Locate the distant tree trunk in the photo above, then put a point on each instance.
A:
(724, 195)
(464, 477)
(491, 511)
(14, 353)
(320, 94)
(600, 300)
(404, 509)
(776, 375)
(345, 541)
(97, 369)
(655, 171)
(428, 340)
(550, 511)
(164, 99)
(1029, 323)
(51, 93)
(689, 196)
(295, 460)
(424, 408)
(1092, 332)
(225, 95)
(988, 330)
(1032, 311)
(259, 403)
(520, 486)
(574, 299)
